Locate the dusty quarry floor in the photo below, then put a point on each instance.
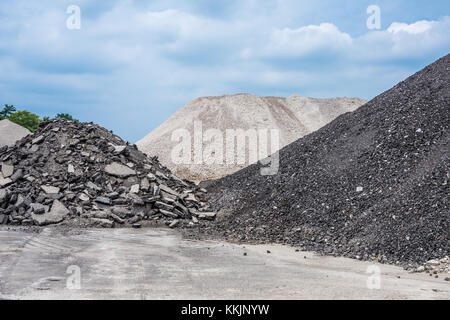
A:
(53, 263)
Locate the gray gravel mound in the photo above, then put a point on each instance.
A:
(11, 132)
(373, 184)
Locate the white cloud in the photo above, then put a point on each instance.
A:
(414, 28)
(307, 40)
(151, 59)
(407, 41)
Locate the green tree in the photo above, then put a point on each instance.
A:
(25, 119)
(7, 111)
(65, 116)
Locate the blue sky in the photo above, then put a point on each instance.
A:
(134, 63)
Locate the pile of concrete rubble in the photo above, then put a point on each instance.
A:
(81, 174)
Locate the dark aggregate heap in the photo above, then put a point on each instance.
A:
(373, 184)
(81, 174)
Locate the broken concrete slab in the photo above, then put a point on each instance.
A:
(56, 214)
(119, 170)
(7, 170)
(50, 189)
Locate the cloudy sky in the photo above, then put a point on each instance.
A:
(133, 63)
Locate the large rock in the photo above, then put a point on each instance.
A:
(56, 214)
(119, 170)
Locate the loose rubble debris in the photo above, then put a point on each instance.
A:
(81, 174)
(436, 266)
(372, 185)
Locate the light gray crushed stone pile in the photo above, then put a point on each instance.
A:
(81, 174)
(293, 117)
(11, 132)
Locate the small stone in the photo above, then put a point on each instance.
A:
(168, 213)
(173, 224)
(433, 262)
(122, 212)
(169, 190)
(117, 218)
(38, 140)
(103, 200)
(134, 189)
(164, 206)
(101, 223)
(207, 215)
(161, 175)
(119, 170)
(17, 175)
(3, 194)
(34, 149)
(83, 197)
(145, 184)
(99, 214)
(359, 189)
(135, 219)
(119, 149)
(420, 269)
(191, 197)
(4, 182)
(50, 189)
(92, 186)
(70, 168)
(7, 170)
(137, 201)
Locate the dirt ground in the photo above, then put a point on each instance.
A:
(54, 263)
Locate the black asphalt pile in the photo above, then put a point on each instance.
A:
(81, 174)
(373, 184)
